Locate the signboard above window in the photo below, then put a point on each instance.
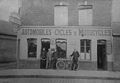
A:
(66, 32)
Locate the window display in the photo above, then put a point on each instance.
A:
(32, 47)
(61, 46)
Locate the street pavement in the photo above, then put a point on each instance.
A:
(65, 73)
(57, 76)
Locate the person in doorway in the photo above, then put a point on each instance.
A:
(54, 59)
(49, 57)
(43, 59)
(75, 56)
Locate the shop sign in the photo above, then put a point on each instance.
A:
(66, 32)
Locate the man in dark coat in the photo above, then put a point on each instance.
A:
(43, 59)
(54, 59)
(75, 56)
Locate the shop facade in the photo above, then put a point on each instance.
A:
(94, 44)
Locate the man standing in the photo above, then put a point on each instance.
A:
(49, 57)
(43, 59)
(54, 59)
(75, 56)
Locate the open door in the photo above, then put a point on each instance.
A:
(101, 55)
(45, 45)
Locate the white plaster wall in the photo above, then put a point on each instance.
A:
(94, 50)
(38, 48)
(23, 48)
(61, 15)
(85, 17)
(115, 10)
(70, 47)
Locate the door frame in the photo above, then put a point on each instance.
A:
(102, 44)
(42, 39)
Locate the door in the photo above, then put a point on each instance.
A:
(45, 45)
(101, 55)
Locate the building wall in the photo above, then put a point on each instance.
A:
(73, 42)
(41, 12)
(116, 16)
(7, 50)
(116, 52)
(115, 24)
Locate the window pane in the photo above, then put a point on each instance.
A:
(82, 49)
(82, 56)
(87, 42)
(82, 43)
(32, 47)
(88, 49)
(87, 56)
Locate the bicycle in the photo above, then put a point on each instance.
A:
(64, 64)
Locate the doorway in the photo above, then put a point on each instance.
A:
(101, 55)
(45, 45)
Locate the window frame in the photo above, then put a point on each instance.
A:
(30, 57)
(85, 49)
(65, 41)
(56, 23)
(85, 8)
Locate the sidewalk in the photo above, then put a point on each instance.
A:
(58, 74)
(11, 65)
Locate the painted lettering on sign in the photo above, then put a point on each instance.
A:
(94, 32)
(36, 31)
(67, 32)
(63, 32)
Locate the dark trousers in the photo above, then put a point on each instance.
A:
(53, 62)
(43, 64)
(48, 64)
(74, 65)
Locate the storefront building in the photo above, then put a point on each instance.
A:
(93, 43)
(64, 26)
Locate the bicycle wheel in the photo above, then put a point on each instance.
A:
(60, 65)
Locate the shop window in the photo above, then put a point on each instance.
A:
(60, 15)
(85, 49)
(61, 47)
(32, 47)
